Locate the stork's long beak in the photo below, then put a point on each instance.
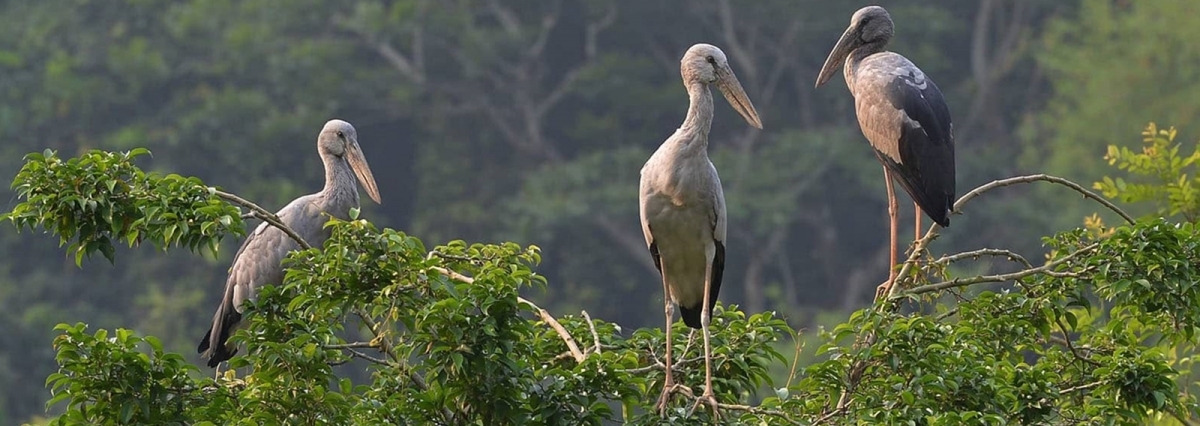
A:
(837, 57)
(359, 164)
(732, 89)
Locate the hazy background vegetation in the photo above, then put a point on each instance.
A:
(529, 120)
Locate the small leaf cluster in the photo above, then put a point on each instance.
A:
(119, 379)
(1174, 180)
(101, 197)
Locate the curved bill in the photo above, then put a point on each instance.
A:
(359, 164)
(732, 89)
(838, 55)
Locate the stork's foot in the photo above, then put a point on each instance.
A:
(883, 289)
(709, 399)
(664, 399)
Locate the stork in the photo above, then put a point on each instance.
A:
(903, 116)
(257, 262)
(682, 206)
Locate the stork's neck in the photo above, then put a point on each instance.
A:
(856, 57)
(341, 190)
(700, 113)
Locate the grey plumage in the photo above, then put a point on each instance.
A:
(902, 114)
(900, 111)
(257, 262)
(682, 206)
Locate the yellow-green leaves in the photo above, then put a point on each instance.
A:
(1161, 172)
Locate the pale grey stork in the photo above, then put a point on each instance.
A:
(257, 262)
(903, 116)
(683, 207)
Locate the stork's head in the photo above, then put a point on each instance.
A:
(705, 63)
(870, 25)
(339, 140)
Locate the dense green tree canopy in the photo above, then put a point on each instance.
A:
(446, 339)
(527, 121)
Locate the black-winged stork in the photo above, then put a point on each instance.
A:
(902, 114)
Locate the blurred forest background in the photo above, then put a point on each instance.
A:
(529, 121)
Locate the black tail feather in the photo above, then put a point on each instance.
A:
(222, 352)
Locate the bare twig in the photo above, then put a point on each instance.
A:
(1044, 178)
(1080, 388)
(507, 19)
(263, 214)
(931, 234)
(592, 326)
(984, 252)
(355, 345)
(594, 28)
(1179, 416)
(999, 278)
(947, 314)
(755, 410)
(1071, 346)
(545, 315)
(454, 257)
(549, 21)
(358, 354)
(376, 333)
(832, 413)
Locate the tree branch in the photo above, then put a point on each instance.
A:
(592, 326)
(594, 28)
(377, 335)
(999, 278)
(1080, 387)
(505, 17)
(369, 358)
(1045, 178)
(946, 260)
(263, 214)
(932, 233)
(546, 317)
(549, 21)
(636, 248)
(1071, 346)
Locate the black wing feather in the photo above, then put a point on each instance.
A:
(926, 168)
(229, 319)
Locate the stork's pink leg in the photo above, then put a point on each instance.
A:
(893, 206)
(668, 383)
(708, 397)
(917, 229)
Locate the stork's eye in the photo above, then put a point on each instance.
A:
(711, 59)
(340, 134)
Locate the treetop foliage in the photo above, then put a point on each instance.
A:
(1103, 330)
(99, 198)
